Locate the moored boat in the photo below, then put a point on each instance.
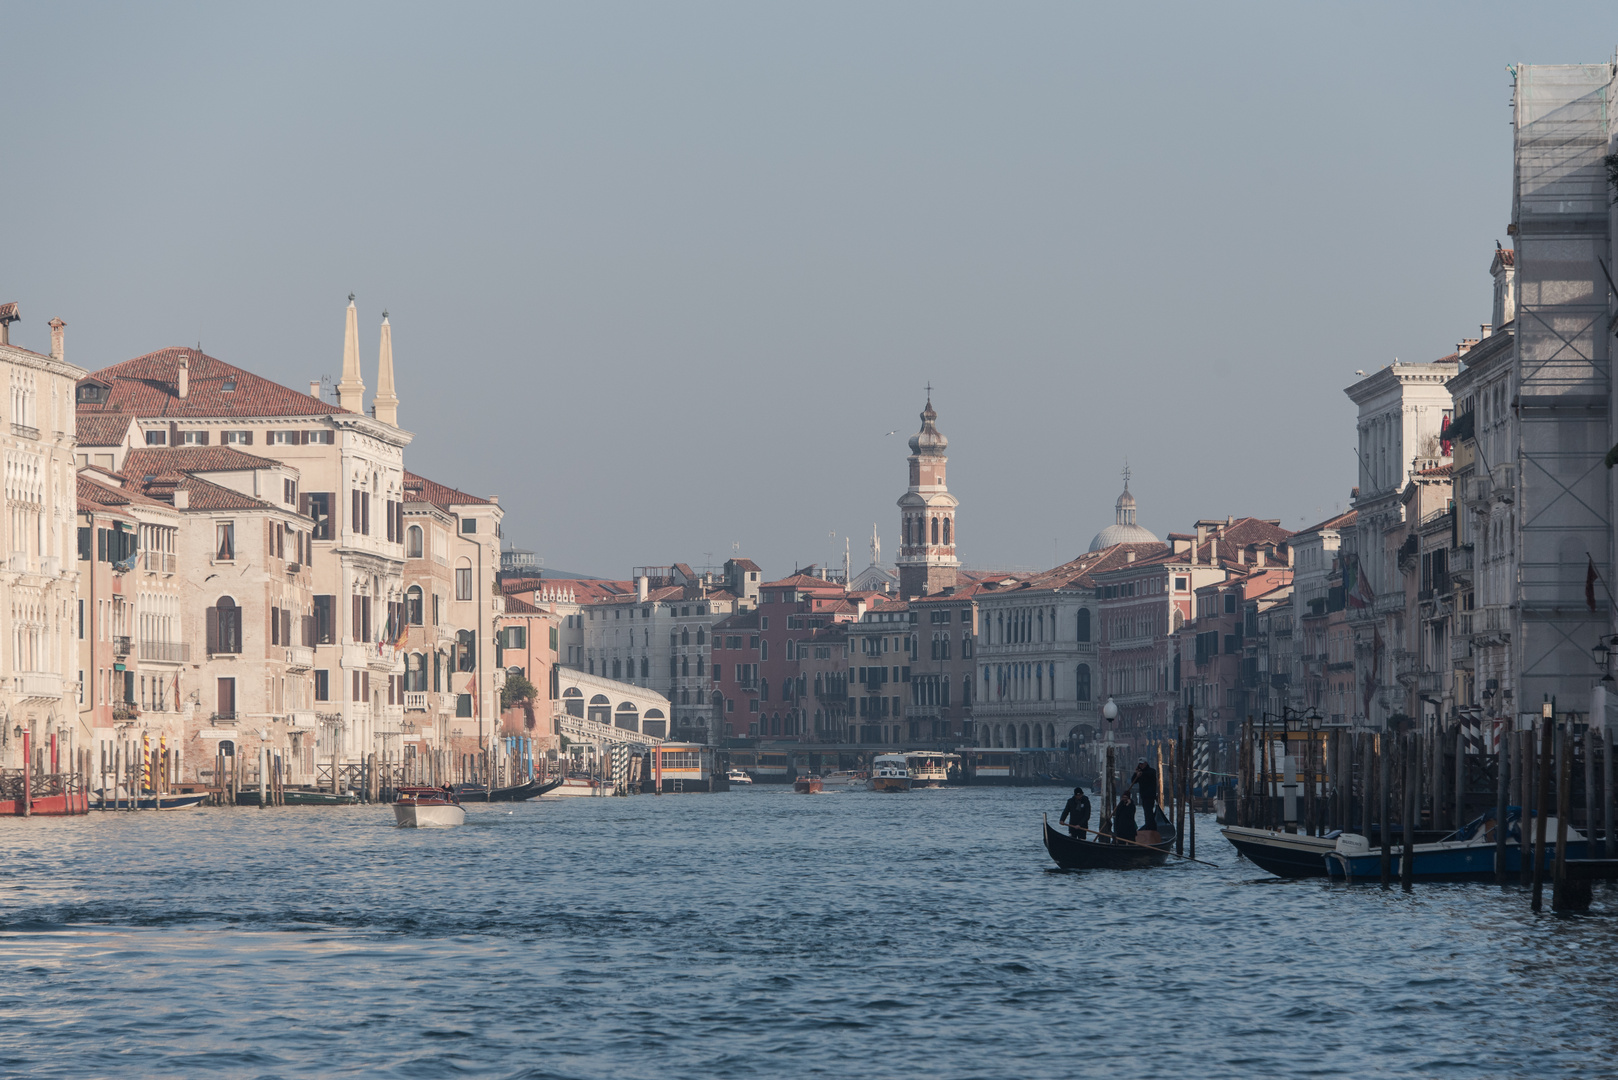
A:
(1468, 854)
(120, 801)
(426, 807)
(312, 797)
(889, 772)
(530, 789)
(571, 786)
(808, 785)
(1101, 853)
(1284, 854)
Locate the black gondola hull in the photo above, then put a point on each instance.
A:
(516, 793)
(1071, 853)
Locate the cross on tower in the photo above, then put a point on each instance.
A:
(1126, 474)
(929, 392)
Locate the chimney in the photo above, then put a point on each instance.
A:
(182, 499)
(1213, 552)
(1241, 556)
(1484, 330)
(56, 338)
(1129, 556)
(1202, 534)
(1258, 557)
(183, 380)
(640, 586)
(8, 315)
(314, 388)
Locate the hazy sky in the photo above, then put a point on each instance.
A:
(663, 275)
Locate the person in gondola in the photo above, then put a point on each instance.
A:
(1146, 777)
(1076, 814)
(1123, 818)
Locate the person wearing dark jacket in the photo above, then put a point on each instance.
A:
(1146, 777)
(1076, 814)
(1123, 818)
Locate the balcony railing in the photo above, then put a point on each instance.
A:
(160, 562)
(43, 685)
(24, 430)
(120, 645)
(300, 657)
(415, 701)
(165, 652)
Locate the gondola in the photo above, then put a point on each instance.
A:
(516, 793)
(1072, 853)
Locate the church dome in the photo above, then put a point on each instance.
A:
(929, 440)
(1123, 530)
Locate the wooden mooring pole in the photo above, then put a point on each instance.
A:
(1502, 785)
(1412, 810)
(1542, 806)
(1384, 750)
(1561, 891)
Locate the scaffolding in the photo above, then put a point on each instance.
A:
(1563, 221)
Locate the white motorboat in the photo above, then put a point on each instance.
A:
(889, 772)
(423, 808)
(738, 776)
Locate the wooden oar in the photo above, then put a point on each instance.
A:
(1148, 847)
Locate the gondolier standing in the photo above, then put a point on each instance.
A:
(1146, 777)
(1076, 814)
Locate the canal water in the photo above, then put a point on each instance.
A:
(754, 933)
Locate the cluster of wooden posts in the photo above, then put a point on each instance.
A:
(1300, 778)
(131, 770)
(1175, 767)
(43, 786)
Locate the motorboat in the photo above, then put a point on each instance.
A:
(808, 785)
(427, 807)
(1098, 851)
(843, 778)
(1284, 854)
(1467, 854)
(889, 772)
(738, 776)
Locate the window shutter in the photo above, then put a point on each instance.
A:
(303, 438)
(275, 626)
(355, 623)
(286, 626)
(213, 629)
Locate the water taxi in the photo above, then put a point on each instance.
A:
(738, 776)
(425, 807)
(808, 785)
(928, 769)
(889, 772)
(764, 766)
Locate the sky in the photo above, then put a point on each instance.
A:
(664, 277)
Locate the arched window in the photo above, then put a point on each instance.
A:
(225, 626)
(685, 636)
(935, 530)
(627, 716)
(573, 701)
(1082, 626)
(685, 665)
(645, 667)
(702, 638)
(1081, 682)
(413, 542)
(413, 605)
(600, 709)
(617, 669)
(946, 532)
(1025, 738)
(415, 672)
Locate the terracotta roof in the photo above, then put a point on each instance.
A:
(1507, 256)
(747, 564)
(156, 461)
(99, 429)
(802, 581)
(744, 620)
(425, 490)
(1437, 470)
(1339, 521)
(92, 493)
(202, 494)
(516, 605)
(146, 386)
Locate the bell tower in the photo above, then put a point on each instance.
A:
(927, 562)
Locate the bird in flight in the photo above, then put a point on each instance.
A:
(893, 432)
(1361, 374)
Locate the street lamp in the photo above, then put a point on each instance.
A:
(1110, 712)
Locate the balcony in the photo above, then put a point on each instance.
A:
(415, 701)
(165, 652)
(1389, 602)
(224, 717)
(120, 645)
(300, 657)
(24, 430)
(1461, 565)
(1460, 651)
(37, 685)
(158, 562)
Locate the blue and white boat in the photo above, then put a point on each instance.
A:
(1467, 854)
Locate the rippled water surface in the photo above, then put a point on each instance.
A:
(754, 933)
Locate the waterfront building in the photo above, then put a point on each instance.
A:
(351, 488)
(39, 691)
(246, 604)
(1037, 674)
(1404, 410)
(943, 673)
(927, 562)
(449, 620)
(824, 666)
(881, 648)
(1482, 567)
(1318, 621)
(128, 617)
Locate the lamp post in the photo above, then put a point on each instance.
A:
(1109, 712)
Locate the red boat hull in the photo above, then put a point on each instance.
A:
(49, 805)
